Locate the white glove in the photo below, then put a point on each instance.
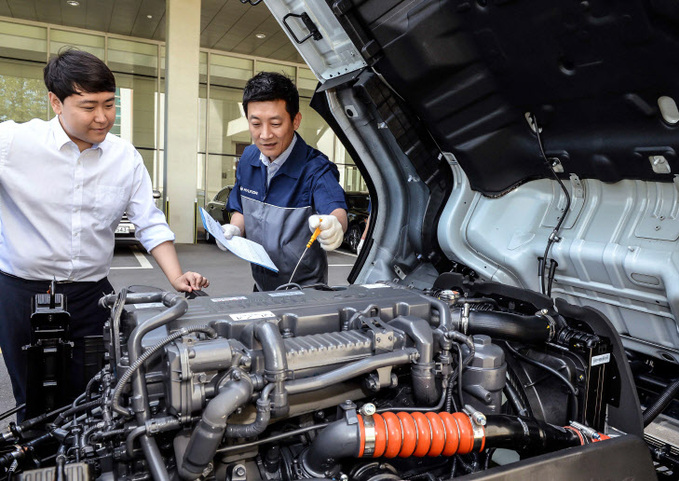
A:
(331, 234)
(360, 246)
(229, 230)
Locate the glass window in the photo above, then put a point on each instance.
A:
(24, 42)
(162, 63)
(222, 172)
(228, 134)
(93, 44)
(306, 82)
(315, 131)
(228, 125)
(202, 68)
(137, 109)
(287, 70)
(126, 56)
(228, 71)
(23, 95)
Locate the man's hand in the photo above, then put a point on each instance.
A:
(229, 230)
(331, 234)
(189, 282)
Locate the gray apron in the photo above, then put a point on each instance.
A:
(284, 233)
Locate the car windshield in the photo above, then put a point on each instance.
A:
(357, 201)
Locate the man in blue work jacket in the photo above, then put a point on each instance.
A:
(282, 186)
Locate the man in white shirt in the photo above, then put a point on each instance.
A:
(64, 185)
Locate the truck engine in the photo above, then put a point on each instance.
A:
(367, 382)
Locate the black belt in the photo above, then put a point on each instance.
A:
(31, 281)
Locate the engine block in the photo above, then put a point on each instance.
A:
(297, 384)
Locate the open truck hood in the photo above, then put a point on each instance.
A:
(439, 102)
(515, 145)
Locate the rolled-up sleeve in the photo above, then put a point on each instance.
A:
(151, 228)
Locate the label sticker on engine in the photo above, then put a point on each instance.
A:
(601, 359)
(374, 286)
(251, 316)
(286, 293)
(228, 299)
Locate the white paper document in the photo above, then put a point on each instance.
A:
(243, 248)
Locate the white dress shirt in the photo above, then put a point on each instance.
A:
(272, 166)
(59, 207)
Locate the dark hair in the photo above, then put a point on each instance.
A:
(271, 86)
(74, 70)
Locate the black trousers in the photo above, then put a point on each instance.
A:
(87, 319)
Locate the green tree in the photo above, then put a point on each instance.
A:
(22, 99)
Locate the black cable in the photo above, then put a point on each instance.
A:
(271, 439)
(515, 400)
(289, 285)
(515, 384)
(453, 468)
(546, 288)
(75, 410)
(460, 367)
(414, 409)
(14, 410)
(449, 392)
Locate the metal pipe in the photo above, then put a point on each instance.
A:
(136, 298)
(349, 371)
(177, 306)
(423, 376)
(207, 436)
(275, 364)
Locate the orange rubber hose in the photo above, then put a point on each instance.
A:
(417, 434)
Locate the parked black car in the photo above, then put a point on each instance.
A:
(217, 209)
(357, 215)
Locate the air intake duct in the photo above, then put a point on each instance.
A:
(420, 434)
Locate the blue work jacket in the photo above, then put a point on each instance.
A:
(307, 183)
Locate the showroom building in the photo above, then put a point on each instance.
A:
(192, 137)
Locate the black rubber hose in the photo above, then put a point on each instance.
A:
(527, 435)
(661, 403)
(75, 409)
(261, 422)
(339, 440)
(515, 400)
(511, 327)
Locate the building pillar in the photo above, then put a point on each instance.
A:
(181, 115)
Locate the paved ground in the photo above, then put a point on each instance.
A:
(227, 273)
